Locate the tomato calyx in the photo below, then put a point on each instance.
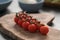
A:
(22, 14)
(17, 15)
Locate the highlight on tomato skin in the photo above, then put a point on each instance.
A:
(22, 14)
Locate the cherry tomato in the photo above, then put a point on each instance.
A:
(25, 16)
(44, 30)
(16, 20)
(22, 15)
(32, 28)
(33, 21)
(23, 19)
(25, 25)
(20, 22)
(39, 25)
(28, 18)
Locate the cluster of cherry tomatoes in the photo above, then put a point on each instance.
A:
(28, 23)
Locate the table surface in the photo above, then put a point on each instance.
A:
(14, 7)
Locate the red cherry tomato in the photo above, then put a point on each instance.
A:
(16, 20)
(25, 16)
(22, 15)
(32, 28)
(23, 19)
(33, 21)
(44, 30)
(28, 18)
(39, 25)
(20, 22)
(25, 25)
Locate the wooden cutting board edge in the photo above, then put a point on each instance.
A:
(8, 33)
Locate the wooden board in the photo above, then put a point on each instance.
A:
(13, 30)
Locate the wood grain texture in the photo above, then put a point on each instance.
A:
(16, 32)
